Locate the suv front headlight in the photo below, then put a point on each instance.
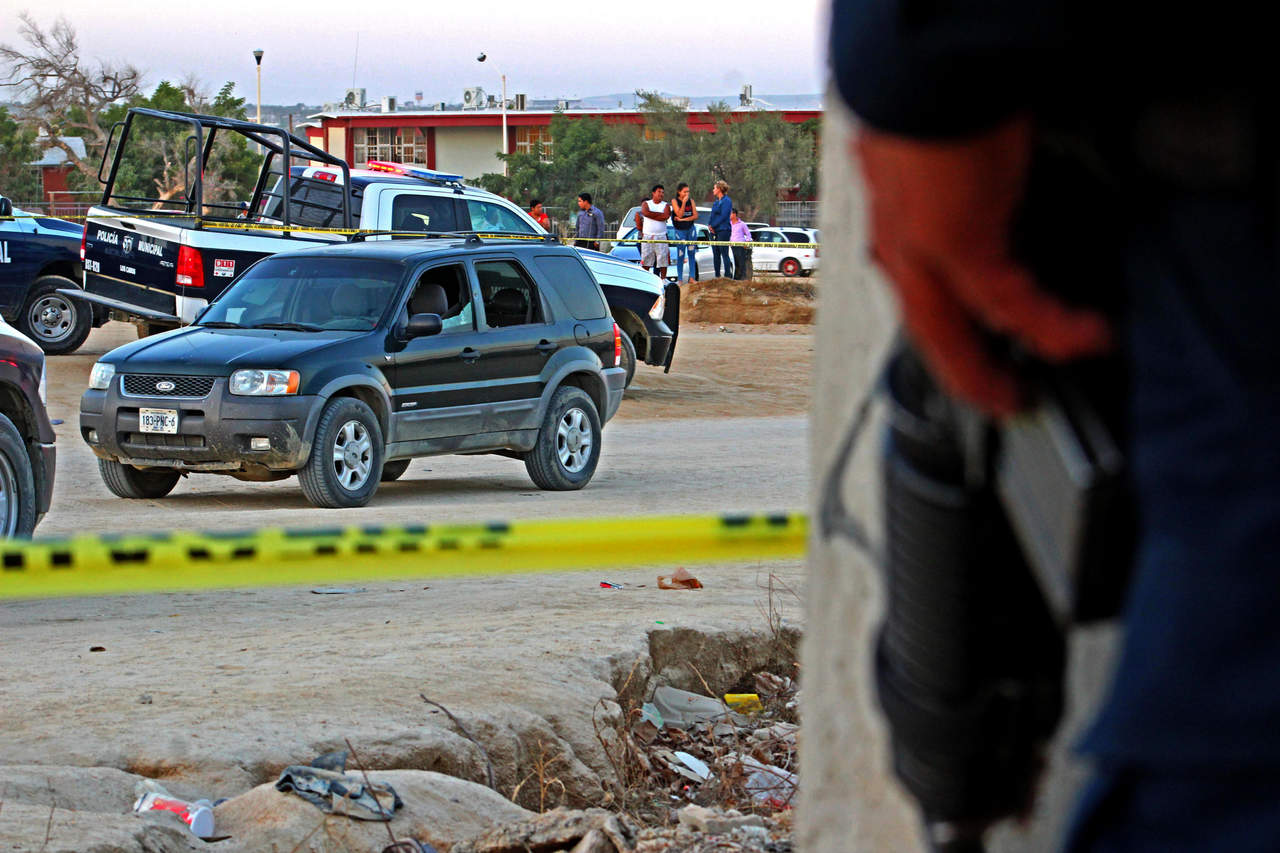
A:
(264, 383)
(101, 375)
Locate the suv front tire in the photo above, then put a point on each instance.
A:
(125, 481)
(346, 456)
(568, 447)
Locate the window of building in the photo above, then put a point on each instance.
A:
(396, 144)
(527, 137)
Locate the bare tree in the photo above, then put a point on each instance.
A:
(60, 93)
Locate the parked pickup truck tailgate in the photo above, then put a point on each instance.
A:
(163, 269)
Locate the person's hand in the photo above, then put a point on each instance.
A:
(941, 213)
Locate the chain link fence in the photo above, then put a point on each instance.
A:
(798, 214)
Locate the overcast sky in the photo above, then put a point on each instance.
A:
(546, 49)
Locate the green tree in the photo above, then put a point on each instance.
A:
(759, 154)
(581, 148)
(61, 94)
(159, 161)
(18, 180)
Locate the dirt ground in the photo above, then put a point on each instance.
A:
(214, 692)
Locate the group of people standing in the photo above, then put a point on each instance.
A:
(681, 214)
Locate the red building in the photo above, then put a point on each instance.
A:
(467, 142)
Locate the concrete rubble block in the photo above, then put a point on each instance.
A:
(715, 821)
(57, 830)
(81, 789)
(438, 809)
(589, 831)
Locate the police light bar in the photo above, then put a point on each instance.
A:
(410, 171)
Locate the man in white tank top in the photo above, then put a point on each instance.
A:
(652, 221)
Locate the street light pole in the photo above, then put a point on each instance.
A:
(505, 168)
(257, 57)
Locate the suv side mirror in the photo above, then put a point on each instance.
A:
(423, 325)
(6, 208)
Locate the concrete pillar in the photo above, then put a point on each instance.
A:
(848, 799)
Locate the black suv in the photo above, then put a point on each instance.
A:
(340, 364)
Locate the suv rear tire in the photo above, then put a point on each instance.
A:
(346, 456)
(17, 484)
(628, 358)
(568, 447)
(125, 481)
(57, 324)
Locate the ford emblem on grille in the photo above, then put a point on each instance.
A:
(164, 386)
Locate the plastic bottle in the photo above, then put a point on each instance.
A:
(197, 815)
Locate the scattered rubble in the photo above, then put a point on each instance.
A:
(589, 831)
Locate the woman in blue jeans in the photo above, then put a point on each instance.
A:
(721, 228)
(684, 213)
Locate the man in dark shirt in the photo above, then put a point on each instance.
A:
(590, 228)
(1177, 111)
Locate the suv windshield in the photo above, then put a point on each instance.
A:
(308, 294)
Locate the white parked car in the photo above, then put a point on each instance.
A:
(780, 255)
(795, 234)
(628, 221)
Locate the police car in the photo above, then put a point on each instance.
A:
(159, 262)
(40, 255)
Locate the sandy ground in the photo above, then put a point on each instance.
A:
(218, 690)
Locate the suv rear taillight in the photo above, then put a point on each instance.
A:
(617, 345)
(190, 267)
(83, 235)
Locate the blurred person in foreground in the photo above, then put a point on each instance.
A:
(1173, 118)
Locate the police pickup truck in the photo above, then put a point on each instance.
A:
(157, 260)
(40, 255)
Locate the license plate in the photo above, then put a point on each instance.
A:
(158, 420)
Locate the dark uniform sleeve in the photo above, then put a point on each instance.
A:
(931, 68)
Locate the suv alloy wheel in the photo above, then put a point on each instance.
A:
(568, 447)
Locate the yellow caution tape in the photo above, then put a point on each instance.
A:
(104, 565)
(351, 232)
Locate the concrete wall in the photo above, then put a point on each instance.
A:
(468, 151)
(848, 799)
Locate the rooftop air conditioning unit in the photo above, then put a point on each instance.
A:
(473, 98)
(438, 106)
(388, 103)
(521, 102)
(355, 98)
(562, 105)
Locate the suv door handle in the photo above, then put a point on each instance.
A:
(546, 347)
(469, 355)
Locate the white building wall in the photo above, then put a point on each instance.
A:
(468, 151)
